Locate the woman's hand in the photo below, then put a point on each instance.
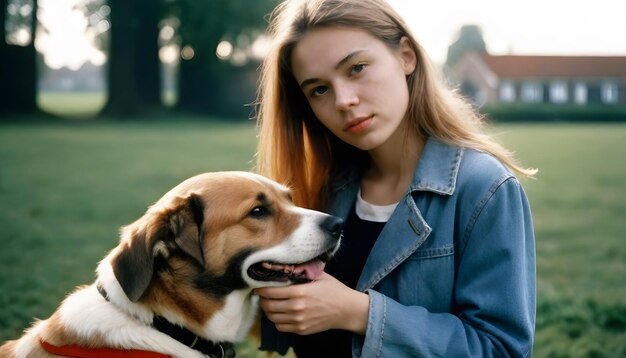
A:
(309, 308)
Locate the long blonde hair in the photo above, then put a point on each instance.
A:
(296, 149)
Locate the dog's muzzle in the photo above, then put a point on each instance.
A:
(302, 272)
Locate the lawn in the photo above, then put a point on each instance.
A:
(579, 206)
(67, 187)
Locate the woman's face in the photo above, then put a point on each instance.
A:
(355, 83)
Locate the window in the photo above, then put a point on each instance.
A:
(608, 92)
(558, 92)
(580, 93)
(532, 92)
(507, 92)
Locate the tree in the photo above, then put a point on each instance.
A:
(207, 83)
(470, 38)
(134, 85)
(18, 68)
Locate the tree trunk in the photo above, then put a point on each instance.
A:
(18, 70)
(134, 79)
(147, 64)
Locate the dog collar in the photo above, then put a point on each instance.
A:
(185, 336)
(191, 340)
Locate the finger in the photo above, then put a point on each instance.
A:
(270, 293)
(289, 306)
(292, 328)
(277, 292)
(298, 328)
(271, 305)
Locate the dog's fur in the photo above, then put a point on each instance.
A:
(193, 258)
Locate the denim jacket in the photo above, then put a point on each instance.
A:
(452, 274)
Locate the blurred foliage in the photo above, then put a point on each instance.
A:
(19, 21)
(207, 83)
(97, 11)
(205, 23)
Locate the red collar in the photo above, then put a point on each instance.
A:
(75, 351)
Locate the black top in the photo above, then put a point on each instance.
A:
(357, 241)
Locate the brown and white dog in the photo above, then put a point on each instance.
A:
(183, 274)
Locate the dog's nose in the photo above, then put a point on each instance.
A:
(332, 225)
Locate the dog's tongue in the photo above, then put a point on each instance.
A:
(311, 270)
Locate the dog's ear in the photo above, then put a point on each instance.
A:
(156, 235)
(187, 228)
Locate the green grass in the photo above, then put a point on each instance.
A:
(66, 188)
(73, 104)
(579, 205)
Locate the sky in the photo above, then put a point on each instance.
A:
(554, 27)
(68, 41)
(529, 27)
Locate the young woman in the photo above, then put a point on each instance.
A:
(438, 255)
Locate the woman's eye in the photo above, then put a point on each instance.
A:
(319, 90)
(258, 212)
(357, 69)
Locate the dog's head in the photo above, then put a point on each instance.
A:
(219, 232)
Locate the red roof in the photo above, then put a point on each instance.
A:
(515, 67)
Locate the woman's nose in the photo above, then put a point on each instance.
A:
(345, 96)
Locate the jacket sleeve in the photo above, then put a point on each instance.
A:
(494, 295)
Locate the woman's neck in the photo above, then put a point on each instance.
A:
(391, 169)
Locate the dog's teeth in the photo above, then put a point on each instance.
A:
(309, 270)
(274, 267)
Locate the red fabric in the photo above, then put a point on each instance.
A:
(74, 351)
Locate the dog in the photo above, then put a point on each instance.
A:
(180, 282)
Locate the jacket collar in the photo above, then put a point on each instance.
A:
(436, 171)
(438, 168)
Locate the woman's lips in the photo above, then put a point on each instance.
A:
(358, 125)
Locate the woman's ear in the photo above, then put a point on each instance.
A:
(408, 57)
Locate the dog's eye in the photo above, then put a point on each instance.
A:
(258, 212)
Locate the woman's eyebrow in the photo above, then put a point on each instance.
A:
(309, 81)
(347, 58)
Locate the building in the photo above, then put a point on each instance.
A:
(558, 80)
